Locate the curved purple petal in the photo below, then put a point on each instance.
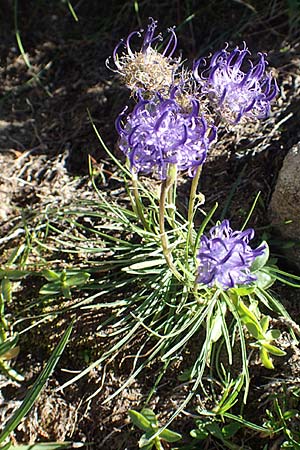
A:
(234, 90)
(159, 132)
(224, 259)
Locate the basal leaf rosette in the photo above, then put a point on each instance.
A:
(236, 87)
(159, 133)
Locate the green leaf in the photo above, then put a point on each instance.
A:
(66, 291)
(146, 446)
(51, 288)
(290, 414)
(264, 323)
(243, 291)
(170, 436)
(231, 429)
(146, 442)
(261, 261)
(246, 423)
(36, 389)
(139, 420)
(265, 359)
(50, 275)
(245, 313)
(150, 415)
(273, 350)
(214, 430)
(6, 290)
(185, 375)
(8, 344)
(13, 274)
(264, 279)
(199, 434)
(9, 372)
(272, 335)
(217, 322)
(77, 280)
(253, 329)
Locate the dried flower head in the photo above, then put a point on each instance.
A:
(225, 258)
(146, 68)
(159, 132)
(237, 87)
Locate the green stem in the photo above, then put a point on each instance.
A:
(193, 193)
(192, 199)
(138, 205)
(171, 196)
(163, 235)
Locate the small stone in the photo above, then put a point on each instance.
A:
(284, 208)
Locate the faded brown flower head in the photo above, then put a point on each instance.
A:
(147, 69)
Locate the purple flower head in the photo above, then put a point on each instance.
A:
(235, 85)
(159, 132)
(146, 68)
(225, 259)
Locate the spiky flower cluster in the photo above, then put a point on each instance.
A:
(166, 129)
(224, 259)
(237, 87)
(159, 132)
(147, 68)
(234, 86)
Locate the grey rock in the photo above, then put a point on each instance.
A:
(284, 210)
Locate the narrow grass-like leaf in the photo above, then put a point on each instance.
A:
(203, 226)
(37, 387)
(18, 37)
(200, 364)
(274, 305)
(251, 211)
(231, 193)
(242, 343)
(248, 424)
(145, 265)
(285, 278)
(126, 339)
(72, 11)
(42, 446)
(115, 160)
